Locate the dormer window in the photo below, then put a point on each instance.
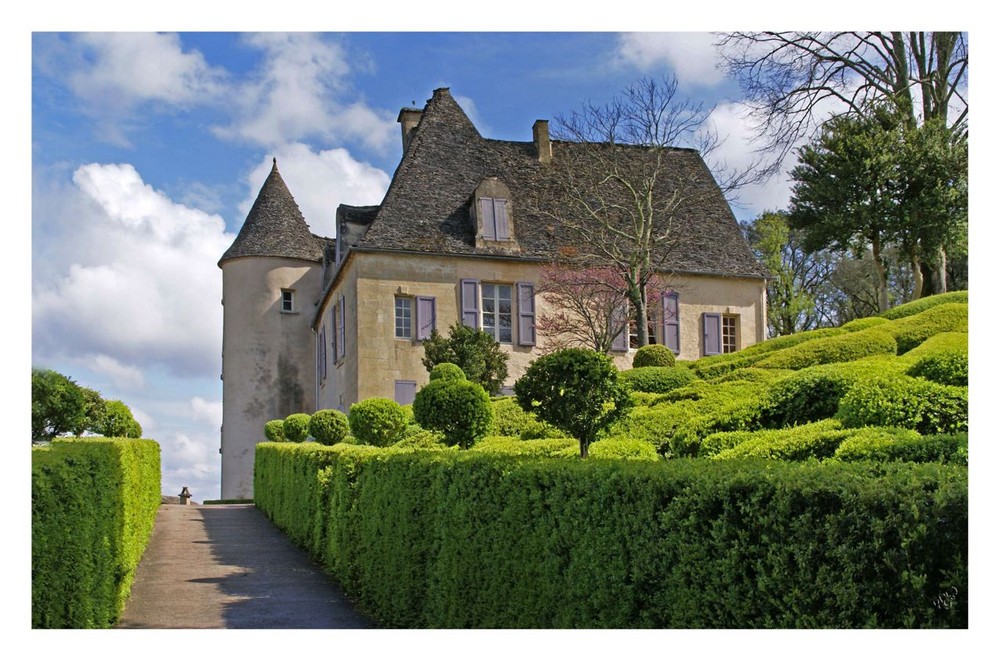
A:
(493, 216)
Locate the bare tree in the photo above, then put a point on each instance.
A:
(625, 182)
(794, 80)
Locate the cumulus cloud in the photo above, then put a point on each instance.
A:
(121, 375)
(691, 56)
(191, 462)
(122, 271)
(319, 181)
(298, 94)
(114, 75)
(209, 412)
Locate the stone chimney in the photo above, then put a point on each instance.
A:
(540, 134)
(408, 120)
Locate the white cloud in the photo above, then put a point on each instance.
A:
(205, 411)
(298, 94)
(121, 375)
(132, 67)
(122, 271)
(691, 56)
(114, 74)
(191, 462)
(319, 181)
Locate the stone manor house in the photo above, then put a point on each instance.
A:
(463, 233)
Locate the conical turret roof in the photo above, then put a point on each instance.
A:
(275, 226)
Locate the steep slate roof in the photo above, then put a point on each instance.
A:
(275, 226)
(428, 204)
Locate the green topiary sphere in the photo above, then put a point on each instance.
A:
(377, 421)
(274, 430)
(448, 371)
(458, 408)
(329, 426)
(296, 427)
(653, 355)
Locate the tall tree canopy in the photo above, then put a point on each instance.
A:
(873, 181)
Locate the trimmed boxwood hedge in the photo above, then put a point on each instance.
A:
(93, 506)
(470, 540)
(905, 401)
(926, 303)
(818, 440)
(878, 444)
(656, 379)
(836, 349)
(913, 330)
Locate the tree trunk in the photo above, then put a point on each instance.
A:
(918, 277)
(880, 271)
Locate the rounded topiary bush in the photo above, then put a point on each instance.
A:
(274, 430)
(906, 401)
(950, 367)
(447, 371)
(296, 427)
(653, 355)
(656, 379)
(576, 390)
(329, 426)
(377, 421)
(458, 408)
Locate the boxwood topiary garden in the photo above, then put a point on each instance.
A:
(814, 480)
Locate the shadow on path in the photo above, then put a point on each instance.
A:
(228, 567)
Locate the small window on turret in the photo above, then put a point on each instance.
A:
(288, 300)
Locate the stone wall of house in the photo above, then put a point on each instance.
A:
(267, 356)
(375, 359)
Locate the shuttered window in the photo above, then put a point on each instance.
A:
(712, 333)
(405, 392)
(404, 317)
(341, 316)
(321, 355)
(469, 294)
(426, 316)
(526, 314)
(498, 313)
(619, 326)
(672, 322)
(493, 215)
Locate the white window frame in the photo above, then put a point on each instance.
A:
(729, 334)
(287, 301)
(496, 316)
(403, 317)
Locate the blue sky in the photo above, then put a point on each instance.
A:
(148, 149)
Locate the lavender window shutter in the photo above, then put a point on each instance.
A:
(619, 326)
(488, 218)
(342, 348)
(672, 322)
(503, 229)
(425, 316)
(470, 303)
(713, 333)
(526, 314)
(405, 392)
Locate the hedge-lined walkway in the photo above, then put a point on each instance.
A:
(228, 567)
